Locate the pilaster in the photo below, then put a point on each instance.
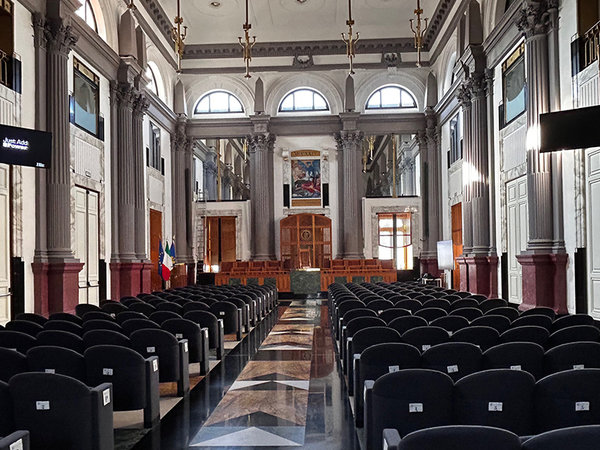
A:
(140, 106)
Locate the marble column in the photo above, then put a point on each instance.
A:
(544, 266)
(57, 276)
(261, 201)
(210, 176)
(341, 183)
(352, 190)
(140, 106)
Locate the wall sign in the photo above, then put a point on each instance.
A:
(306, 178)
(25, 147)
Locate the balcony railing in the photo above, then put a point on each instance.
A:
(591, 42)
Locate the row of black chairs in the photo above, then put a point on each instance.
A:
(414, 399)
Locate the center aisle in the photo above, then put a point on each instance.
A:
(289, 395)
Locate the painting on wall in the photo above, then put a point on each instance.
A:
(306, 178)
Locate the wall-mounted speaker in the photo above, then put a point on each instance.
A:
(325, 193)
(286, 195)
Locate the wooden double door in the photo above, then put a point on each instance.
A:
(220, 241)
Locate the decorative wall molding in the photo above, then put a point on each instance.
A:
(436, 22)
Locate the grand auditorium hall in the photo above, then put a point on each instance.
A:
(313, 224)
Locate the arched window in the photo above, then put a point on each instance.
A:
(391, 97)
(86, 12)
(219, 102)
(152, 83)
(303, 100)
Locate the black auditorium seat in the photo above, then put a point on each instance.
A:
(411, 304)
(499, 323)
(63, 339)
(539, 320)
(506, 311)
(231, 315)
(24, 326)
(131, 325)
(101, 325)
(17, 440)
(463, 303)
(16, 340)
(161, 316)
(423, 338)
(32, 317)
(195, 306)
(468, 313)
(403, 324)
(450, 323)
(60, 360)
(525, 356)
(105, 337)
(430, 314)
(492, 303)
(393, 313)
(484, 337)
(456, 359)
(575, 333)
(64, 325)
(573, 355)
(540, 310)
(126, 315)
(438, 303)
(571, 320)
(584, 437)
(348, 332)
(526, 333)
(97, 315)
(113, 308)
(66, 317)
(83, 308)
(144, 308)
(197, 339)
(208, 320)
(11, 363)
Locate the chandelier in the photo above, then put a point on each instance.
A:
(350, 40)
(418, 26)
(247, 44)
(178, 36)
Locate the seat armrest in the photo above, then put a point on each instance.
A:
(152, 409)
(102, 417)
(19, 440)
(220, 339)
(391, 439)
(183, 384)
(238, 332)
(205, 352)
(368, 411)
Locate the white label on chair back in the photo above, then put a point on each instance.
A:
(425, 347)
(105, 397)
(185, 347)
(495, 406)
(379, 312)
(18, 445)
(221, 313)
(50, 370)
(42, 405)
(154, 365)
(393, 369)
(582, 406)
(151, 349)
(578, 366)
(450, 333)
(517, 367)
(205, 331)
(415, 407)
(108, 372)
(178, 336)
(452, 369)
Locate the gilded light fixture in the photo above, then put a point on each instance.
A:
(178, 36)
(350, 40)
(247, 44)
(368, 152)
(418, 29)
(394, 162)
(245, 149)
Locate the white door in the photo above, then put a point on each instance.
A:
(4, 245)
(593, 229)
(86, 231)
(518, 230)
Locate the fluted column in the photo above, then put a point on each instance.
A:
(210, 176)
(464, 97)
(350, 144)
(261, 149)
(430, 160)
(140, 106)
(544, 263)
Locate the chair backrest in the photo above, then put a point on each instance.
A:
(540, 310)
(16, 340)
(450, 323)
(374, 335)
(149, 342)
(186, 329)
(568, 399)
(463, 303)
(113, 308)
(83, 308)
(380, 305)
(506, 311)
(7, 425)
(576, 333)
(195, 306)
(539, 320)
(63, 339)
(461, 437)
(144, 308)
(479, 297)
(105, 337)
(360, 323)
(170, 306)
(131, 325)
(526, 333)
(11, 363)
(573, 355)
(101, 325)
(228, 312)
(393, 313)
(437, 303)
(410, 400)
(484, 337)
(580, 438)
(66, 317)
(499, 323)
(423, 338)
(208, 320)
(456, 359)
(64, 325)
(403, 324)
(161, 316)
(32, 317)
(571, 320)
(126, 315)
(25, 326)
(98, 315)
(124, 368)
(500, 398)
(379, 359)
(525, 356)
(60, 360)
(492, 303)
(430, 314)
(410, 304)
(468, 313)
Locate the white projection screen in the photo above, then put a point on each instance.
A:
(445, 255)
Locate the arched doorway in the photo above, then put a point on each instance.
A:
(305, 241)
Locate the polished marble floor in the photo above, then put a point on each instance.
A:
(280, 388)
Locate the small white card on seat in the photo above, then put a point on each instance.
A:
(107, 372)
(18, 445)
(393, 369)
(452, 369)
(582, 406)
(415, 407)
(106, 397)
(42, 405)
(495, 406)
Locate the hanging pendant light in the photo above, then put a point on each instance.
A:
(350, 40)
(247, 44)
(178, 36)
(418, 27)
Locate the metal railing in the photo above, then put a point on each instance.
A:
(591, 43)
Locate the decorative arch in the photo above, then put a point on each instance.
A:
(96, 9)
(201, 86)
(218, 102)
(411, 83)
(156, 74)
(291, 102)
(163, 71)
(390, 97)
(449, 74)
(318, 82)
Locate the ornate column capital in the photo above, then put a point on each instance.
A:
(140, 105)
(346, 140)
(534, 18)
(478, 85)
(421, 138)
(463, 94)
(261, 142)
(59, 37)
(124, 94)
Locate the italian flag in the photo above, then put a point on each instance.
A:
(165, 263)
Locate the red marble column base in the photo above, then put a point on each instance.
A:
(126, 279)
(146, 285)
(464, 274)
(544, 281)
(40, 288)
(56, 286)
(430, 266)
(483, 275)
(191, 274)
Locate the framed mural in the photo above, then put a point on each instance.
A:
(306, 178)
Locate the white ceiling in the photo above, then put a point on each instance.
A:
(291, 20)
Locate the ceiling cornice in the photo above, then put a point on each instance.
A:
(313, 48)
(159, 16)
(442, 11)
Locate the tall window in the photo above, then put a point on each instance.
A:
(85, 107)
(154, 155)
(86, 12)
(303, 100)
(391, 97)
(395, 239)
(152, 84)
(219, 102)
(455, 141)
(6, 42)
(513, 83)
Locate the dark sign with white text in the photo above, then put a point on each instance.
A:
(25, 147)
